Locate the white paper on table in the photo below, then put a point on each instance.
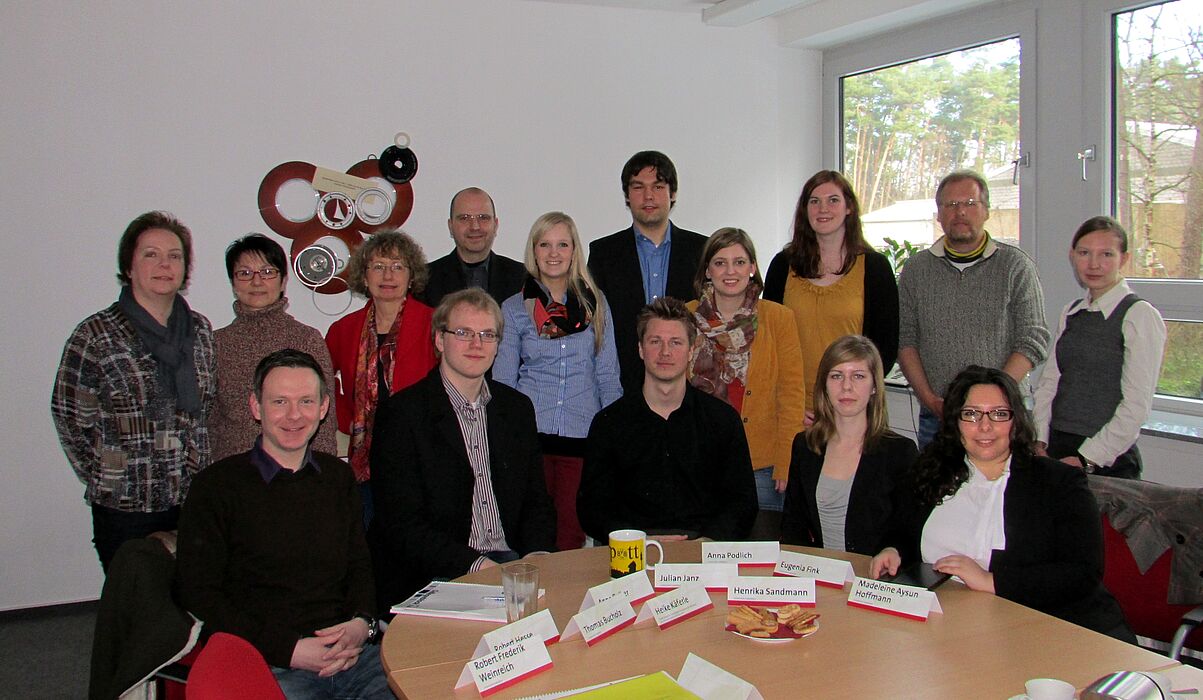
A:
(541, 625)
(894, 598)
(710, 682)
(741, 553)
(677, 605)
(600, 621)
(713, 576)
(634, 588)
(770, 591)
(501, 669)
(824, 570)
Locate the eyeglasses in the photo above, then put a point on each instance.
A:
(465, 335)
(379, 268)
(955, 204)
(246, 274)
(998, 415)
(469, 218)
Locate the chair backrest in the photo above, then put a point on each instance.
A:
(1143, 596)
(229, 667)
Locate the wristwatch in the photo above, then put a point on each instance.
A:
(1090, 467)
(373, 628)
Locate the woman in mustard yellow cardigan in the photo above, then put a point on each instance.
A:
(748, 355)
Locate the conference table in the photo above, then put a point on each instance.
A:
(981, 646)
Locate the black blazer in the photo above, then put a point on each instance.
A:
(447, 275)
(1053, 560)
(614, 264)
(881, 301)
(869, 502)
(422, 481)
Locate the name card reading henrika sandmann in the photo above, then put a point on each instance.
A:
(600, 621)
(742, 553)
(541, 625)
(633, 588)
(763, 590)
(677, 606)
(506, 666)
(828, 572)
(713, 576)
(894, 598)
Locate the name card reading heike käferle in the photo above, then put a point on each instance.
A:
(894, 598)
(828, 572)
(777, 590)
(706, 680)
(505, 667)
(634, 589)
(677, 605)
(600, 621)
(713, 576)
(541, 625)
(742, 553)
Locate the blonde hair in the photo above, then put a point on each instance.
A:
(848, 348)
(579, 279)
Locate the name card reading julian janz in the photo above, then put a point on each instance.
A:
(894, 598)
(713, 576)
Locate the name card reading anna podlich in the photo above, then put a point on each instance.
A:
(676, 606)
(894, 598)
(827, 571)
(763, 590)
(600, 621)
(506, 666)
(713, 577)
(742, 553)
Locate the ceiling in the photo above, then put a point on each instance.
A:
(805, 24)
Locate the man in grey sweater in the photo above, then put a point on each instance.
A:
(967, 299)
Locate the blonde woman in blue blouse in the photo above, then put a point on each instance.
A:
(558, 349)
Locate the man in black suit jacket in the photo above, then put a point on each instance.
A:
(650, 259)
(473, 225)
(456, 467)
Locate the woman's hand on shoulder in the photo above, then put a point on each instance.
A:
(887, 561)
(968, 570)
(1040, 449)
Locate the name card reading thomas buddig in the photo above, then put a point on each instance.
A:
(506, 666)
(827, 572)
(713, 577)
(541, 625)
(600, 621)
(894, 598)
(763, 590)
(742, 553)
(677, 605)
(633, 588)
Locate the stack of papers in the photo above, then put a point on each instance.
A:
(464, 601)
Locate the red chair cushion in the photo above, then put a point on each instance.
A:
(230, 667)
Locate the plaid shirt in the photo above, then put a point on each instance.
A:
(132, 449)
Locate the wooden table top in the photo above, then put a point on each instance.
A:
(982, 646)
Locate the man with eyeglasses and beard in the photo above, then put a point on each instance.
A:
(457, 461)
(967, 300)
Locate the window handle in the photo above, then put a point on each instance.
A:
(1024, 160)
(1087, 153)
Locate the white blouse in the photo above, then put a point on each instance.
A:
(970, 522)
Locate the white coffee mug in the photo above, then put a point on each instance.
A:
(1048, 689)
(628, 552)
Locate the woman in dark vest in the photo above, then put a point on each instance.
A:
(1097, 388)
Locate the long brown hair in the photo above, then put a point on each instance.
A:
(803, 250)
(848, 348)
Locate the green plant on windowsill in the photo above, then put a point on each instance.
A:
(899, 252)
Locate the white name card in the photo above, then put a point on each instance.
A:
(706, 680)
(894, 598)
(600, 621)
(742, 553)
(541, 625)
(634, 588)
(828, 572)
(713, 577)
(762, 590)
(503, 668)
(677, 606)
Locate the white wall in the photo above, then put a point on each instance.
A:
(111, 109)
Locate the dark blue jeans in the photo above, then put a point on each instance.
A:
(111, 528)
(364, 680)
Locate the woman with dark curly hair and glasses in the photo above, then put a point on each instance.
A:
(985, 508)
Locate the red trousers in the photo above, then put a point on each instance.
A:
(563, 475)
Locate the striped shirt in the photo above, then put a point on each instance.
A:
(487, 535)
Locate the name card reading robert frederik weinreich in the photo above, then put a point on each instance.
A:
(541, 625)
(677, 605)
(633, 588)
(769, 591)
(828, 572)
(713, 577)
(514, 662)
(600, 621)
(894, 598)
(741, 553)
